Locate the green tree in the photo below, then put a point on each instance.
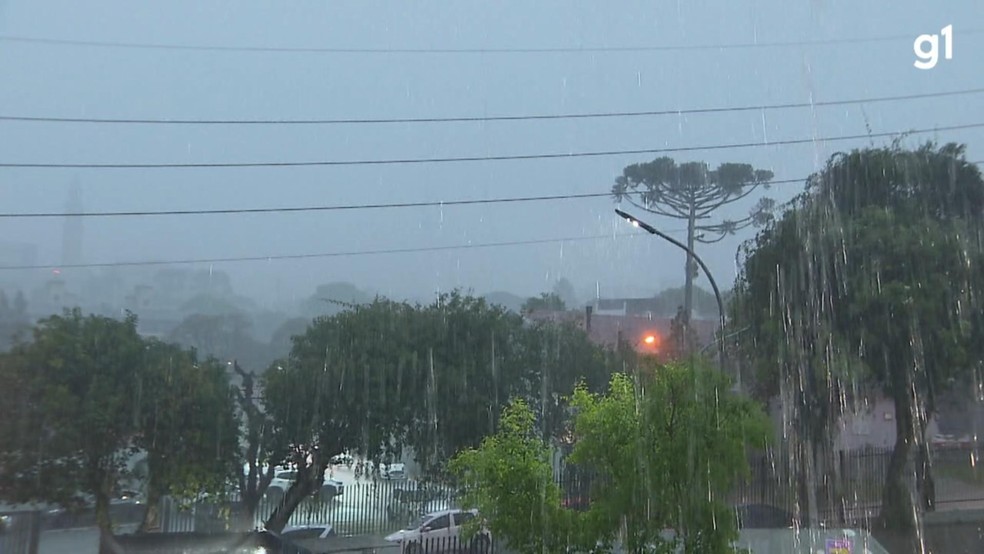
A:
(480, 356)
(509, 479)
(547, 301)
(665, 448)
(869, 278)
(347, 385)
(72, 412)
(260, 449)
(188, 426)
(692, 191)
(386, 375)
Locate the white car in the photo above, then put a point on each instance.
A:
(442, 531)
(284, 478)
(394, 472)
(315, 531)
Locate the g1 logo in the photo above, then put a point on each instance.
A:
(926, 58)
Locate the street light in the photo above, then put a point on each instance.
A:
(636, 222)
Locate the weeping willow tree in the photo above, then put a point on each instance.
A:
(870, 279)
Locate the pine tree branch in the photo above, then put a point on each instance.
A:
(655, 209)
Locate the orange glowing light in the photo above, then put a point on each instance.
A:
(650, 340)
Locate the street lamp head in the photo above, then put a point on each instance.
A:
(635, 222)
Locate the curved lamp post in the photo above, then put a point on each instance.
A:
(636, 222)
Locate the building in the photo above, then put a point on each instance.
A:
(646, 333)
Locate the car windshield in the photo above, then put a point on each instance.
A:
(674, 275)
(418, 523)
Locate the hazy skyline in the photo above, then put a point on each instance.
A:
(44, 79)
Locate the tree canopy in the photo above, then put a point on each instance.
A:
(509, 478)
(870, 280)
(384, 376)
(663, 449)
(666, 447)
(188, 427)
(86, 395)
(692, 191)
(547, 301)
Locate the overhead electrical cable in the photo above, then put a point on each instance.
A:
(496, 158)
(464, 246)
(755, 44)
(329, 208)
(467, 119)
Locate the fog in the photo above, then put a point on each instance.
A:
(437, 59)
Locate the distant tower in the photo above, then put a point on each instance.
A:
(72, 227)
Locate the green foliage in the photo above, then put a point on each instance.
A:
(663, 451)
(386, 375)
(72, 412)
(188, 423)
(547, 301)
(87, 393)
(433, 377)
(509, 479)
(666, 448)
(872, 277)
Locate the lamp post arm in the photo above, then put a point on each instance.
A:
(717, 293)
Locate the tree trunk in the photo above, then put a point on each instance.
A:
(250, 502)
(803, 485)
(897, 509)
(688, 286)
(924, 475)
(309, 480)
(152, 515)
(107, 540)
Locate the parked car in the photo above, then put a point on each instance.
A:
(442, 531)
(408, 504)
(314, 531)
(394, 472)
(343, 460)
(284, 478)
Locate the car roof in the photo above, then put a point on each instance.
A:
(440, 512)
(447, 511)
(308, 526)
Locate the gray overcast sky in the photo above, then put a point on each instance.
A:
(76, 81)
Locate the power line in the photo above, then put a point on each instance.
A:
(508, 50)
(467, 119)
(345, 207)
(321, 255)
(433, 203)
(342, 207)
(555, 155)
